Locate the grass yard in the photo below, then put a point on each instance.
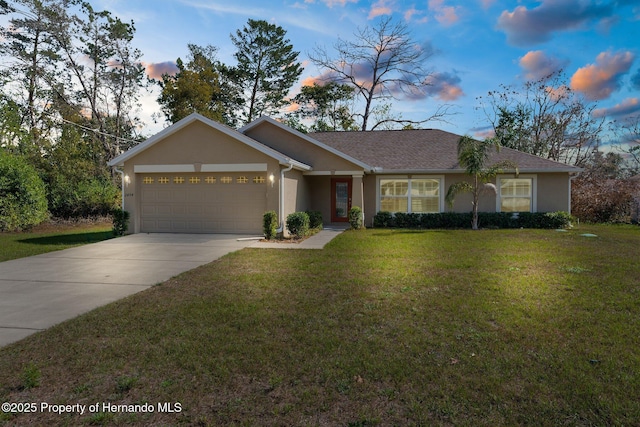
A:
(383, 327)
(50, 237)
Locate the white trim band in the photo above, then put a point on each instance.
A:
(235, 167)
(163, 168)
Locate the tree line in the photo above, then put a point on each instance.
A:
(72, 80)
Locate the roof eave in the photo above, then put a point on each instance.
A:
(382, 171)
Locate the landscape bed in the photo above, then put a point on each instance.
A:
(382, 327)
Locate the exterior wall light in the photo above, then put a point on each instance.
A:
(272, 179)
(127, 179)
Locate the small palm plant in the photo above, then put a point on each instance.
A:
(473, 156)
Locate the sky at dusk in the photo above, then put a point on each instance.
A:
(477, 44)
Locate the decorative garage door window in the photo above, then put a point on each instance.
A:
(207, 179)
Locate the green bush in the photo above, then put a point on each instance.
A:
(298, 224)
(23, 201)
(355, 218)
(270, 224)
(315, 220)
(82, 199)
(383, 219)
(544, 220)
(120, 222)
(547, 220)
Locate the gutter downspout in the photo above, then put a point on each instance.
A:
(281, 190)
(121, 185)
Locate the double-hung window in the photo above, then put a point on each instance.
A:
(516, 194)
(417, 195)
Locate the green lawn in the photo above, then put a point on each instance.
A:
(485, 328)
(48, 238)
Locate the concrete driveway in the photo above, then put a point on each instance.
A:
(40, 291)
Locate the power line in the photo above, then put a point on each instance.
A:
(99, 132)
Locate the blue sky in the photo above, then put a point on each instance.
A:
(478, 44)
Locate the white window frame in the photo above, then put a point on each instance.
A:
(439, 178)
(534, 190)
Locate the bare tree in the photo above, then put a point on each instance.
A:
(627, 132)
(545, 118)
(381, 63)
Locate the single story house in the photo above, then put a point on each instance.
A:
(200, 176)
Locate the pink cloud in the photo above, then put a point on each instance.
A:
(529, 26)
(446, 15)
(484, 133)
(600, 80)
(538, 65)
(444, 86)
(331, 3)
(380, 8)
(157, 70)
(413, 12)
(625, 108)
(486, 4)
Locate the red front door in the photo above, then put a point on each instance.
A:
(340, 199)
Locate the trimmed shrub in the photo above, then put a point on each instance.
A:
(355, 218)
(315, 220)
(23, 201)
(544, 220)
(270, 224)
(120, 222)
(383, 219)
(298, 224)
(463, 220)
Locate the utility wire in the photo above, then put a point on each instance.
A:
(99, 132)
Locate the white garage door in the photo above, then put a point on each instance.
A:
(202, 202)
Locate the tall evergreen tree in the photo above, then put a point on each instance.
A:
(196, 88)
(267, 68)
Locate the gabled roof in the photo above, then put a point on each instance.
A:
(309, 138)
(281, 158)
(423, 150)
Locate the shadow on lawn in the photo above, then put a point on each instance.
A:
(69, 239)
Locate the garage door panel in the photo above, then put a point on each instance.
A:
(163, 210)
(192, 203)
(195, 210)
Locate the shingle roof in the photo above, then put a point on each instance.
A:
(429, 150)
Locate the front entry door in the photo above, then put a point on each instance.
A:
(340, 199)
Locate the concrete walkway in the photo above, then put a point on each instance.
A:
(40, 291)
(317, 241)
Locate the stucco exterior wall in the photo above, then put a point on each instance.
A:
(553, 192)
(370, 199)
(296, 197)
(299, 149)
(320, 195)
